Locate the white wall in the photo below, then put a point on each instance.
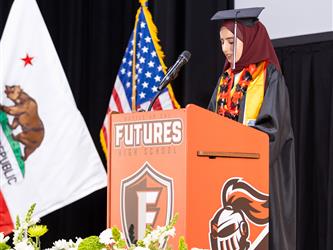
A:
(286, 18)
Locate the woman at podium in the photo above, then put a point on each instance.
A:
(252, 91)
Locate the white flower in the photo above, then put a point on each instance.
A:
(65, 245)
(171, 232)
(33, 221)
(78, 241)
(60, 244)
(105, 237)
(3, 239)
(24, 225)
(15, 236)
(158, 230)
(155, 235)
(116, 248)
(161, 242)
(146, 240)
(24, 245)
(122, 235)
(71, 243)
(17, 233)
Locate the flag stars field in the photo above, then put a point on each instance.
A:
(157, 78)
(142, 56)
(145, 49)
(151, 64)
(154, 89)
(145, 85)
(142, 60)
(142, 95)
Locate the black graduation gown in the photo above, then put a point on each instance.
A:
(274, 119)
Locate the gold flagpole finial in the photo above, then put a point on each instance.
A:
(143, 3)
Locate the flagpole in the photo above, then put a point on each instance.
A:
(133, 69)
(134, 62)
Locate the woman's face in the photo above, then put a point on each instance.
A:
(227, 43)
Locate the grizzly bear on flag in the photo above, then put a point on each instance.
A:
(26, 116)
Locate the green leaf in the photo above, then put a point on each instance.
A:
(116, 235)
(4, 246)
(182, 244)
(149, 229)
(173, 221)
(140, 243)
(121, 244)
(91, 243)
(154, 246)
(30, 212)
(18, 223)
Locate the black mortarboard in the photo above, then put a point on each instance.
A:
(247, 16)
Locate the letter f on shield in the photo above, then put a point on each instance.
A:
(146, 199)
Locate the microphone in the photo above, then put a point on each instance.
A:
(171, 75)
(173, 71)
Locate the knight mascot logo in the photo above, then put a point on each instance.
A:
(146, 199)
(242, 205)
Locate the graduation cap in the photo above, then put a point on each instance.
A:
(248, 16)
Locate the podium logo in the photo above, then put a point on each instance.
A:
(148, 133)
(242, 221)
(146, 199)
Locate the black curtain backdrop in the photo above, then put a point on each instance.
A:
(309, 77)
(90, 37)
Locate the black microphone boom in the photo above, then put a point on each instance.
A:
(171, 75)
(173, 71)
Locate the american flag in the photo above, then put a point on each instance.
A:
(140, 73)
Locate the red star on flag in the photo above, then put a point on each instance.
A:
(27, 60)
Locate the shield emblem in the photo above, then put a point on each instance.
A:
(146, 199)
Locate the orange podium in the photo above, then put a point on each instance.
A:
(212, 171)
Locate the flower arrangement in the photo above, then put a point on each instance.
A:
(27, 235)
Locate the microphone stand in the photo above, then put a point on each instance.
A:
(170, 75)
(165, 82)
(156, 96)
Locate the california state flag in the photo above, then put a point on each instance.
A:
(47, 155)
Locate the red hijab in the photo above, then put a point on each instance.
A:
(257, 45)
